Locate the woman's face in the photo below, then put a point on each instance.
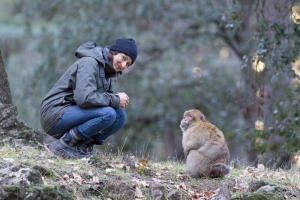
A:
(121, 62)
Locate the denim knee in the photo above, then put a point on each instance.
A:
(121, 114)
(110, 115)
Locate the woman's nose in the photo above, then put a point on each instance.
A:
(124, 65)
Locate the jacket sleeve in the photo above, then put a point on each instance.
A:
(86, 92)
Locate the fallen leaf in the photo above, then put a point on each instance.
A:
(102, 157)
(154, 179)
(18, 149)
(286, 197)
(261, 167)
(194, 186)
(138, 192)
(95, 179)
(132, 157)
(90, 173)
(143, 161)
(77, 178)
(181, 186)
(109, 170)
(120, 166)
(9, 159)
(76, 168)
(166, 168)
(66, 177)
(71, 163)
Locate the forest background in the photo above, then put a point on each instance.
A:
(235, 60)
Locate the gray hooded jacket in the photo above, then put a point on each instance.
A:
(87, 83)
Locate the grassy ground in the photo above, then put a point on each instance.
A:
(111, 172)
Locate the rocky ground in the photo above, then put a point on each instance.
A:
(28, 170)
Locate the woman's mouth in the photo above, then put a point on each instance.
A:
(118, 68)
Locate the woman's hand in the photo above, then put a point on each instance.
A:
(124, 99)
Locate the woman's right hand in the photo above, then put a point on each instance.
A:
(124, 99)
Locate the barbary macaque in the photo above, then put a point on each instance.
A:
(204, 146)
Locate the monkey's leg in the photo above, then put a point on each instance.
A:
(218, 170)
(197, 165)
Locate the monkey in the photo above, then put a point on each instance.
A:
(204, 146)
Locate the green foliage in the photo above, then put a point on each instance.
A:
(286, 126)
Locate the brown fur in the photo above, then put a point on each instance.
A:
(204, 146)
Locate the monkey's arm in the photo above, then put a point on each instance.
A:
(193, 144)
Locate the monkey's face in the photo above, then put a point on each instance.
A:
(191, 117)
(186, 121)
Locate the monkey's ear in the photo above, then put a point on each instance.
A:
(202, 117)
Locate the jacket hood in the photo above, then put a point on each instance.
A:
(91, 49)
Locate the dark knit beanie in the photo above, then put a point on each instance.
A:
(127, 46)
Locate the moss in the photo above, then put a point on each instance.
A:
(14, 192)
(63, 192)
(262, 195)
(12, 188)
(49, 193)
(142, 170)
(255, 196)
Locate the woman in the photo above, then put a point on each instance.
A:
(81, 109)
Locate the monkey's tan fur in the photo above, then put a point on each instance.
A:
(204, 146)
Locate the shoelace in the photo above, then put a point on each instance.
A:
(86, 146)
(90, 148)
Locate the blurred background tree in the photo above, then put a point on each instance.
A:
(235, 60)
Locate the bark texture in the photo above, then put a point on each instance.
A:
(5, 95)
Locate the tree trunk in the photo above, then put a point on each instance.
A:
(5, 95)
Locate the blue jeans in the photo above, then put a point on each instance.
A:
(100, 122)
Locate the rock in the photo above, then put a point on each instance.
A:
(120, 190)
(23, 182)
(267, 188)
(128, 162)
(24, 176)
(44, 171)
(224, 193)
(156, 190)
(174, 195)
(255, 184)
(12, 192)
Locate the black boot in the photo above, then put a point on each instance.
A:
(88, 145)
(68, 145)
